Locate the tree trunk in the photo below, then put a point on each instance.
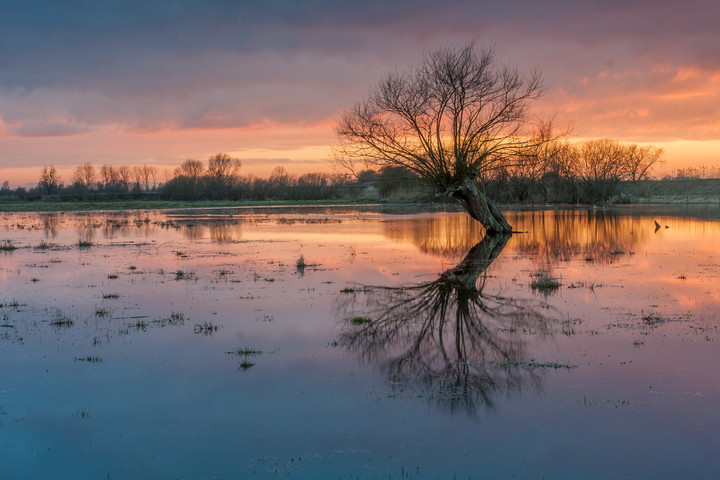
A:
(480, 207)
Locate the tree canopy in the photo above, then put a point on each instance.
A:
(453, 119)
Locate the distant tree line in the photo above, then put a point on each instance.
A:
(221, 180)
(560, 171)
(557, 171)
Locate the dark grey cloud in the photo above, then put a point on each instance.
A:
(148, 65)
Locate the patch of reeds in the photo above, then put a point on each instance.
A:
(543, 282)
(7, 246)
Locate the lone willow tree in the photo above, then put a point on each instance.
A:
(452, 119)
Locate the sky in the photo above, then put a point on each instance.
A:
(157, 82)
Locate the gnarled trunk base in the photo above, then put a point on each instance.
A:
(480, 207)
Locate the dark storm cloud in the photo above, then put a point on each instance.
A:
(149, 65)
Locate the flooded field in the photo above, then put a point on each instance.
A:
(359, 343)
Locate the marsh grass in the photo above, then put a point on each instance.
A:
(175, 319)
(84, 244)
(88, 359)
(205, 328)
(544, 283)
(62, 321)
(300, 264)
(245, 352)
(533, 364)
(360, 320)
(110, 296)
(43, 246)
(653, 319)
(183, 275)
(7, 246)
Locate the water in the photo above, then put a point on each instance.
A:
(188, 344)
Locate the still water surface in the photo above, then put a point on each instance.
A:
(189, 344)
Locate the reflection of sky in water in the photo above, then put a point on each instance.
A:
(636, 317)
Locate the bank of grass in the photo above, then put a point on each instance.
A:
(673, 191)
(51, 206)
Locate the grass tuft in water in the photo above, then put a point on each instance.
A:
(206, 328)
(7, 246)
(84, 244)
(61, 321)
(544, 283)
(360, 320)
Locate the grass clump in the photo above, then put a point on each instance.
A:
(111, 296)
(61, 321)
(300, 264)
(360, 320)
(112, 277)
(84, 244)
(102, 312)
(7, 246)
(544, 283)
(206, 328)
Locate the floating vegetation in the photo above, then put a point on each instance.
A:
(544, 283)
(112, 277)
(84, 243)
(245, 365)
(533, 364)
(132, 267)
(111, 296)
(205, 328)
(360, 320)
(101, 312)
(7, 246)
(62, 321)
(182, 275)
(175, 319)
(653, 319)
(355, 290)
(245, 354)
(88, 359)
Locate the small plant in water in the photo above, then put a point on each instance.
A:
(7, 246)
(111, 296)
(112, 277)
(62, 321)
(84, 243)
(300, 264)
(360, 320)
(101, 312)
(544, 283)
(206, 328)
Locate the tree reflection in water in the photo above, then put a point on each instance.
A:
(448, 340)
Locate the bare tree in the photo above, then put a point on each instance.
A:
(639, 160)
(49, 180)
(223, 171)
(85, 175)
(454, 119)
(124, 177)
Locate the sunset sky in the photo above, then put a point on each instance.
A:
(157, 82)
